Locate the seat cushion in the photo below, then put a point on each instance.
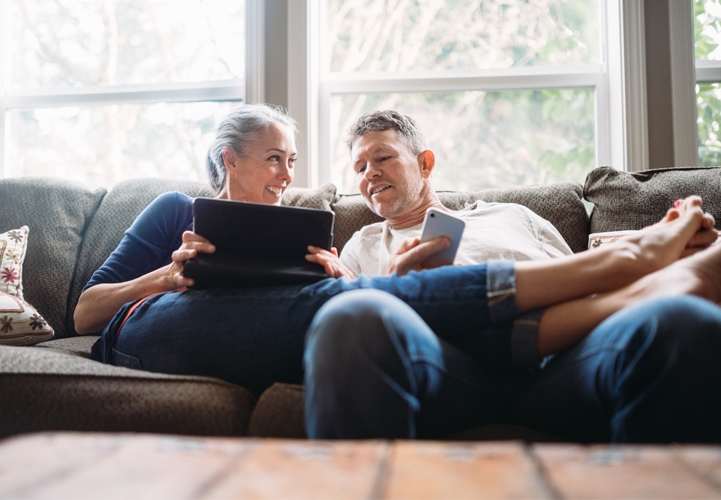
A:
(55, 386)
(632, 200)
(280, 414)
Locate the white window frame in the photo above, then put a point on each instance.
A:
(250, 90)
(619, 84)
(684, 76)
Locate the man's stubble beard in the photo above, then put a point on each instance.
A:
(402, 203)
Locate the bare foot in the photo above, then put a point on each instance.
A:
(678, 234)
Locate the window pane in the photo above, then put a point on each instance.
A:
(74, 43)
(397, 35)
(707, 29)
(708, 107)
(484, 139)
(103, 145)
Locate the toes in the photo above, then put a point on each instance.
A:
(672, 214)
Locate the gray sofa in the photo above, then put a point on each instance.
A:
(55, 386)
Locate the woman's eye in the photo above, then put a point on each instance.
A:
(292, 161)
(383, 158)
(274, 158)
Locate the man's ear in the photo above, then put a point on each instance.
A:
(427, 160)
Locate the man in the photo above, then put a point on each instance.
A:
(374, 368)
(393, 168)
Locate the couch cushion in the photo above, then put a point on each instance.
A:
(320, 198)
(115, 214)
(280, 414)
(57, 213)
(632, 200)
(559, 203)
(52, 386)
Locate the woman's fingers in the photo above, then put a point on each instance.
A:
(197, 242)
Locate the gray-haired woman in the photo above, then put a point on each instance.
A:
(251, 159)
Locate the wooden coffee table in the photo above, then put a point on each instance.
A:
(132, 466)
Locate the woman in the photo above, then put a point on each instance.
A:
(251, 159)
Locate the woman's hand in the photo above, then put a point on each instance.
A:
(330, 261)
(412, 254)
(191, 246)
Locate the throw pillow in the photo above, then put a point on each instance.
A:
(13, 247)
(20, 323)
(595, 240)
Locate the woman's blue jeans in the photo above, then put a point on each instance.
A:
(254, 337)
(650, 373)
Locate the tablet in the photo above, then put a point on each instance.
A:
(257, 244)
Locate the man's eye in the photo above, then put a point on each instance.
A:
(383, 158)
(360, 170)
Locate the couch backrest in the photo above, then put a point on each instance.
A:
(57, 212)
(558, 203)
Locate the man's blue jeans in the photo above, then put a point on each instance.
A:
(650, 373)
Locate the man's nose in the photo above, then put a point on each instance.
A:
(372, 171)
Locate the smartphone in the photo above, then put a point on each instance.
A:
(437, 224)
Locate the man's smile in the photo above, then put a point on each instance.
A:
(377, 189)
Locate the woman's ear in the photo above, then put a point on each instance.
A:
(229, 159)
(428, 161)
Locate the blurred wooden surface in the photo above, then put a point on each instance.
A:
(86, 465)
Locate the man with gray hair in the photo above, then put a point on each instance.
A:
(393, 167)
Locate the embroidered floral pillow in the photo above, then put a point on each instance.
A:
(20, 323)
(13, 246)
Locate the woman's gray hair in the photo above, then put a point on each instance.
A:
(237, 131)
(379, 121)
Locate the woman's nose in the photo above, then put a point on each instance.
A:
(286, 172)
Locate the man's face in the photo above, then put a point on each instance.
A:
(389, 176)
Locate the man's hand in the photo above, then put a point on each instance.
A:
(412, 254)
(330, 261)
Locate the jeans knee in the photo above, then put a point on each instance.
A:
(344, 331)
(679, 333)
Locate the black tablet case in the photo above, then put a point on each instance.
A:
(256, 244)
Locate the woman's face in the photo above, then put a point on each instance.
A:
(264, 173)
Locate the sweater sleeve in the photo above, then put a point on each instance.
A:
(150, 241)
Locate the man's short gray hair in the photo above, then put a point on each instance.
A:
(378, 121)
(237, 131)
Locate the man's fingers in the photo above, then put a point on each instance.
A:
(407, 245)
(424, 250)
